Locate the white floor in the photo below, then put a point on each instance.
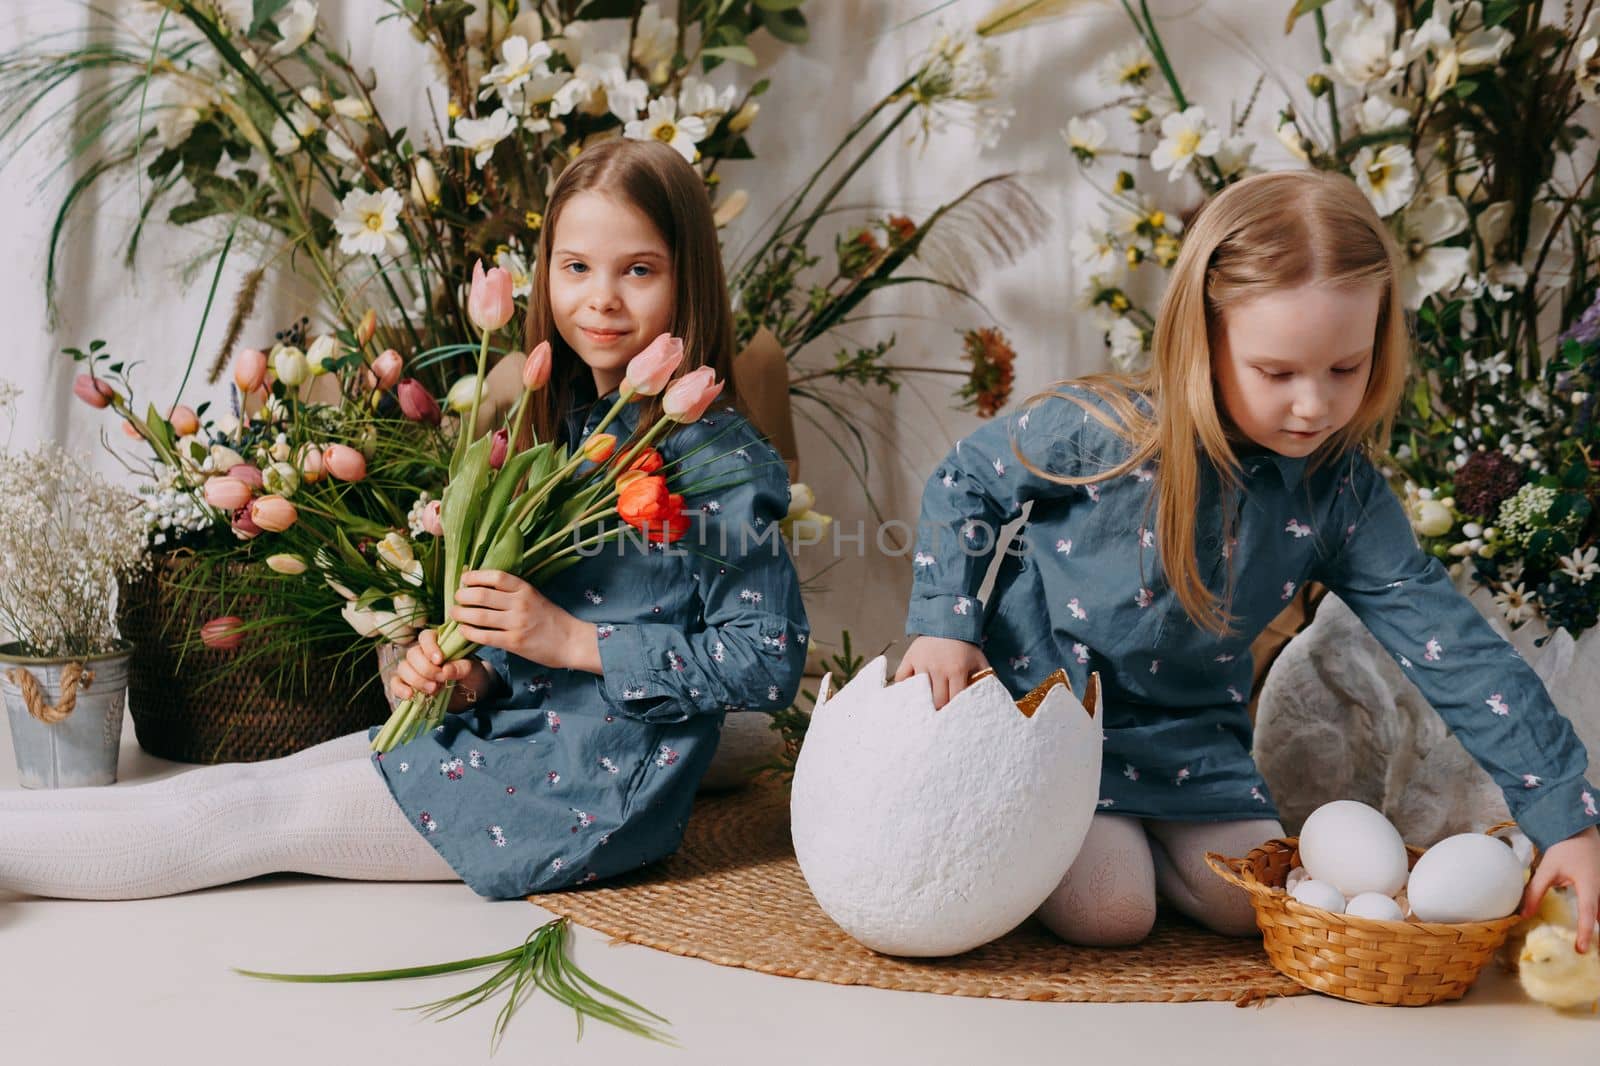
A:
(149, 982)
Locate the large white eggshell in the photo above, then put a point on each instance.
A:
(1319, 894)
(1469, 877)
(1375, 905)
(927, 833)
(1354, 848)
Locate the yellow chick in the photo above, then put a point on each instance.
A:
(1558, 907)
(1552, 972)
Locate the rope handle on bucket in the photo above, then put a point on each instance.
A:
(73, 676)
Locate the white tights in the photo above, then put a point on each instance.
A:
(323, 811)
(1108, 898)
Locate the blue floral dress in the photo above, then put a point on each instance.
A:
(1081, 587)
(566, 776)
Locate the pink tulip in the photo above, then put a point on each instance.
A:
(184, 421)
(227, 493)
(499, 444)
(245, 472)
(688, 397)
(249, 369)
(387, 368)
(489, 302)
(310, 463)
(344, 462)
(650, 370)
(93, 391)
(130, 430)
(433, 518)
(244, 527)
(536, 368)
(273, 513)
(416, 403)
(222, 634)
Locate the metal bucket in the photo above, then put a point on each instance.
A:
(81, 748)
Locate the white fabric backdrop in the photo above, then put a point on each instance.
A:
(859, 50)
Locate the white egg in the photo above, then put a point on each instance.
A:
(1375, 905)
(1296, 875)
(1319, 894)
(1354, 848)
(1466, 878)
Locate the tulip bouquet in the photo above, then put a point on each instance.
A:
(536, 510)
(302, 515)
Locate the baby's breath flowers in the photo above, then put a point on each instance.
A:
(67, 536)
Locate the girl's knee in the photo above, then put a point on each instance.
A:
(1098, 923)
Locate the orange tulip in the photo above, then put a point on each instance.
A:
(598, 448)
(648, 506)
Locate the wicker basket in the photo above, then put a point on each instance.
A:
(1404, 964)
(186, 709)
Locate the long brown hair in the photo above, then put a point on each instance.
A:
(657, 181)
(1269, 232)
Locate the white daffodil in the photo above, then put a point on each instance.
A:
(1451, 53)
(1430, 267)
(1234, 155)
(1184, 136)
(697, 97)
(521, 62)
(730, 207)
(514, 264)
(1502, 266)
(369, 223)
(1129, 66)
(314, 98)
(1289, 135)
(1380, 111)
(354, 108)
(1581, 566)
(598, 85)
(178, 109)
(1586, 58)
(1363, 49)
(424, 182)
(663, 124)
(480, 135)
(295, 24)
(954, 80)
(302, 123)
(1126, 341)
(1085, 136)
(655, 39)
(1096, 250)
(1388, 177)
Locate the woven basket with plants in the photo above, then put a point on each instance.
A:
(197, 704)
(1364, 960)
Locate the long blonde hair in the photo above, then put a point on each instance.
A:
(1267, 233)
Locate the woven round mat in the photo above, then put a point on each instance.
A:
(733, 894)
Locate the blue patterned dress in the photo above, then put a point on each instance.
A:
(566, 776)
(1081, 587)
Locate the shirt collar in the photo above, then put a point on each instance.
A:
(1256, 460)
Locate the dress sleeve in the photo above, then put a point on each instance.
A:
(980, 486)
(1483, 689)
(747, 648)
